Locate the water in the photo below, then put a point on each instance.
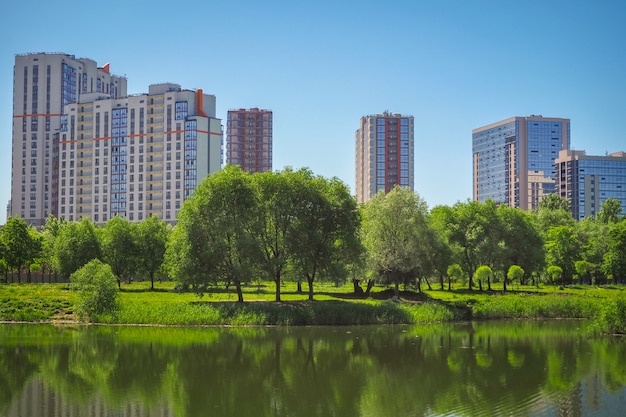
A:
(477, 369)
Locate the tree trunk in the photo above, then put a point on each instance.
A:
(357, 287)
(396, 289)
(428, 283)
(489, 283)
(370, 285)
(151, 281)
(504, 283)
(239, 292)
(310, 281)
(480, 285)
(441, 281)
(419, 284)
(277, 282)
(449, 283)
(299, 287)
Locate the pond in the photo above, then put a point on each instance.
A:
(539, 368)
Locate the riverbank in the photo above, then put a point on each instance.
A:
(332, 306)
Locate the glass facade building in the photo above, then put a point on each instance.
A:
(384, 154)
(513, 160)
(587, 181)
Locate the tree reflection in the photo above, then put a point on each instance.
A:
(471, 369)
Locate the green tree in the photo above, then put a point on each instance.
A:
(592, 236)
(18, 244)
(515, 273)
(76, 244)
(455, 272)
(394, 226)
(522, 239)
(325, 230)
(610, 211)
(563, 249)
(50, 231)
(483, 273)
(118, 239)
(278, 197)
(152, 235)
(583, 269)
(216, 232)
(553, 202)
(476, 229)
(34, 253)
(555, 273)
(615, 259)
(97, 291)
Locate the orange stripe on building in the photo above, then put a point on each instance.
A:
(35, 115)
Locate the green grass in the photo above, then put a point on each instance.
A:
(333, 305)
(35, 302)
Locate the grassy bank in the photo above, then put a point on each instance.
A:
(332, 306)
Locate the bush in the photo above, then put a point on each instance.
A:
(612, 317)
(97, 290)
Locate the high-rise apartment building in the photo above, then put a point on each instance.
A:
(514, 159)
(249, 139)
(43, 83)
(587, 181)
(384, 154)
(83, 148)
(136, 156)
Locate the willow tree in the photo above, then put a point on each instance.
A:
(324, 239)
(215, 239)
(395, 234)
(280, 202)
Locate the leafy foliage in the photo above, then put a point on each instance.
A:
(97, 290)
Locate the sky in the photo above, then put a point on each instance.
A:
(455, 65)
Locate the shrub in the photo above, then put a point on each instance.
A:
(612, 317)
(97, 290)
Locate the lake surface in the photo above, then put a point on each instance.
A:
(476, 369)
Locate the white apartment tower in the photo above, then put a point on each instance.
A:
(83, 148)
(136, 156)
(42, 84)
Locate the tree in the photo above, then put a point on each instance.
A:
(215, 238)
(152, 235)
(553, 202)
(553, 211)
(97, 290)
(76, 244)
(50, 231)
(555, 273)
(583, 269)
(615, 259)
(455, 272)
(476, 229)
(610, 211)
(278, 198)
(563, 249)
(445, 252)
(483, 272)
(523, 242)
(592, 236)
(18, 244)
(119, 247)
(34, 252)
(394, 225)
(325, 229)
(515, 273)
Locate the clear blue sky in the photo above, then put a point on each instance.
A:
(321, 65)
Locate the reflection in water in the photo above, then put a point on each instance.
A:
(516, 368)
